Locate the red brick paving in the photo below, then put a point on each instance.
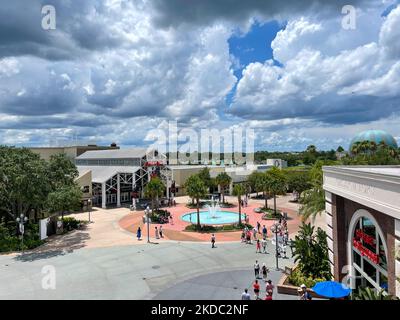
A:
(176, 231)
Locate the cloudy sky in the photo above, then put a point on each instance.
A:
(116, 70)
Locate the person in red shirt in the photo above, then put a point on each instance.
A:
(256, 288)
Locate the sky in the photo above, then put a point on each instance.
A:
(119, 70)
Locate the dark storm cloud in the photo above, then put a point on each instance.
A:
(175, 12)
(21, 30)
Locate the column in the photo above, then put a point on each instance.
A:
(118, 191)
(103, 195)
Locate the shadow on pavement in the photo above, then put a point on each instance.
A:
(56, 246)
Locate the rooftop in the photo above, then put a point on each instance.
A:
(393, 171)
(114, 154)
(101, 174)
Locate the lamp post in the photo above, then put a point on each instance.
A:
(89, 203)
(21, 220)
(276, 228)
(148, 225)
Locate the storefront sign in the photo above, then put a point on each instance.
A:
(360, 235)
(153, 164)
(374, 258)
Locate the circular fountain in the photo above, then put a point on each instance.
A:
(213, 215)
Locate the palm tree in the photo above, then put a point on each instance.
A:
(277, 183)
(153, 190)
(263, 184)
(223, 180)
(371, 294)
(238, 191)
(196, 189)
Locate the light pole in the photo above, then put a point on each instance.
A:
(89, 203)
(21, 220)
(276, 228)
(148, 225)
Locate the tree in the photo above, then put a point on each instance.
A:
(223, 180)
(340, 149)
(204, 175)
(24, 185)
(238, 191)
(64, 199)
(313, 200)
(196, 189)
(297, 181)
(254, 181)
(61, 171)
(277, 183)
(310, 251)
(263, 184)
(153, 190)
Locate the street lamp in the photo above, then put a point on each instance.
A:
(148, 225)
(276, 228)
(89, 203)
(21, 220)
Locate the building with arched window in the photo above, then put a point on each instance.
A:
(363, 225)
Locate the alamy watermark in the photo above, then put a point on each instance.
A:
(49, 21)
(188, 146)
(49, 277)
(349, 20)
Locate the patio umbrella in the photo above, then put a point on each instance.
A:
(331, 289)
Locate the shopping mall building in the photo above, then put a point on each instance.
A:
(363, 225)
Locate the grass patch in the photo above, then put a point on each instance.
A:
(210, 229)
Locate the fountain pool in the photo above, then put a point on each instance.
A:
(217, 217)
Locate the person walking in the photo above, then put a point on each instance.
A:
(269, 288)
(213, 240)
(264, 245)
(156, 233)
(264, 232)
(258, 227)
(139, 233)
(264, 271)
(256, 269)
(255, 234)
(256, 288)
(258, 246)
(246, 295)
(161, 232)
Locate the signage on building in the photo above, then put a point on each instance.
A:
(153, 163)
(373, 257)
(365, 237)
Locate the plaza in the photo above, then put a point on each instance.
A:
(106, 261)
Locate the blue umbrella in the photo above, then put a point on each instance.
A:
(331, 289)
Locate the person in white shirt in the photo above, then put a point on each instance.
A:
(246, 295)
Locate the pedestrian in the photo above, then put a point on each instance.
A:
(269, 288)
(248, 237)
(213, 240)
(172, 221)
(157, 234)
(264, 232)
(264, 245)
(258, 227)
(246, 295)
(258, 246)
(255, 234)
(264, 271)
(161, 232)
(243, 236)
(268, 296)
(256, 269)
(304, 294)
(256, 288)
(139, 233)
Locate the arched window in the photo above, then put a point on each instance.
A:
(368, 252)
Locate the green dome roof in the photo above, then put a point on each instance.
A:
(374, 135)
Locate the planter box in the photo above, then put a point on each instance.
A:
(284, 287)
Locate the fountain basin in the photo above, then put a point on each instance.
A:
(217, 218)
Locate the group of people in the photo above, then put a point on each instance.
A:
(158, 232)
(269, 286)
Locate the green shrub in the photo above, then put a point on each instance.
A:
(10, 241)
(70, 223)
(297, 278)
